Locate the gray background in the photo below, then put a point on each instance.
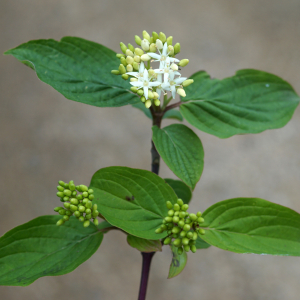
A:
(45, 137)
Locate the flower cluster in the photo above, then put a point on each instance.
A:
(147, 82)
(181, 226)
(79, 205)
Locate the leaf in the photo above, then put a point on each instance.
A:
(181, 150)
(132, 199)
(178, 262)
(144, 245)
(103, 226)
(252, 225)
(181, 189)
(200, 244)
(170, 114)
(249, 102)
(41, 248)
(78, 69)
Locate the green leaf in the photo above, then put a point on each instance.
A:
(200, 244)
(132, 199)
(181, 150)
(249, 102)
(78, 69)
(41, 248)
(104, 225)
(252, 225)
(178, 262)
(181, 189)
(144, 245)
(170, 114)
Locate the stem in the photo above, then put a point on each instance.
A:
(172, 106)
(147, 257)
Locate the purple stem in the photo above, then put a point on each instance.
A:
(147, 257)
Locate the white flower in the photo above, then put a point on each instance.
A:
(163, 58)
(173, 83)
(144, 83)
(166, 70)
(140, 73)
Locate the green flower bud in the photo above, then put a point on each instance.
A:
(150, 95)
(88, 211)
(145, 45)
(162, 37)
(169, 40)
(179, 202)
(125, 76)
(62, 212)
(134, 89)
(74, 193)
(148, 103)
(199, 214)
(157, 102)
(61, 183)
(192, 242)
(67, 205)
(181, 223)
(79, 197)
(77, 214)
(190, 235)
(122, 69)
(60, 222)
(66, 218)
(155, 95)
(136, 66)
(58, 208)
(177, 243)
(89, 204)
(130, 47)
(169, 232)
(119, 55)
(186, 227)
(186, 248)
(180, 251)
(137, 58)
(169, 219)
(183, 62)
(187, 82)
(176, 230)
(81, 208)
(167, 241)
(115, 72)
(169, 205)
(66, 198)
(66, 185)
(181, 92)
(163, 227)
(175, 219)
(81, 219)
(129, 68)
(85, 194)
(152, 47)
(86, 223)
(195, 236)
(145, 57)
(74, 201)
(171, 213)
(123, 47)
(185, 207)
(84, 201)
(91, 197)
(124, 61)
(201, 231)
(158, 230)
(181, 214)
(138, 51)
(188, 221)
(176, 206)
(175, 235)
(193, 249)
(143, 99)
(170, 225)
(72, 187)
(155, 36)
(73, 207)
(129, 53)
(171, 50)
(182, 233)
(146, 35)
(60, 188)
(88, 216)
(69, 213)
(140, 92)
(83, 188)
(95, 213)
(90, 191)
(95, 207)
(193, 217)
(129, 60)
(151, 40)
(176, 48)
(96, 222)
(176, 213)
(138, 40)
(185, 241)
(200, 220)
(60, 194)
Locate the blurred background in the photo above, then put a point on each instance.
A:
(45, 137)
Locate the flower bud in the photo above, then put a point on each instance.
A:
(136, 66)
(186, 248)
(74, 193)
(200, 220)
(89, 204)
(58, 208)
(179, 202)
(119, 55)
(162, 37)
(174, 67)
(95, 213)
(183, 62)
(79, 197)
(69, 213)
(176, 48)
(77, 214)
(187, 82)
(143, 99)
(185, 241)
(176, 206)
(72, 187)
(199, 214)
(193, 249)
(123, 47)
(171, 213)
(138, 40)
(169, 219)
(180, 251)
(90, 191)
(151, 40)
(137, 58)
(91, 197)
(150, 95)
(96, 222)
(88, 211)
(129, 53)
(130, 47)
(60, 194)
(129, 60)
(88, 216)
(145, 57)
(186, 227)
(148, 103)
(67, 205)
(73, 208)
(167, 241)
(170, 50)
(176, 230)
(181, 223)
(81, 219)
(66, 198)
(145, 45)
(138, 51)
(83, 188)
(158, 230)
(193, 217)
(124, 61)
(181, 92)
(177, 242)
(169, 40)
(183, 233)
(66, 218)
(155, 96)
(195, 236)
(60, 222)
(61, 183)
(146, 35)
(163, 227)
(152, 48)
(169, 205)
(155, 36)
(133, 88)
(115, 72)
(141, 93)
(129, 68)
(159, 44)
(74, 201)
(185, 207)
(60, 188)
(85, 194)
(175, 219)
(81, 209)
(86, 224)
(201, 231)
(122, 69)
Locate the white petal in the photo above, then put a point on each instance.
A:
(165, 49)
(154, 55)
(136, 83)
(166, 77)
(158, 71)
(135, 74)
(166, 86)
(172, 59)
(146, 92)
(173, 90)
(141, 68)
(159, 78)
(155, 83)
(180, 80)
(146, 75)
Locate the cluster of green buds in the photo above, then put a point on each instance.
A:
(78, 204)
(181, 226)
(149, 83)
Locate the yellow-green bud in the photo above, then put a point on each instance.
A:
(162, 37)
(174, 67)
(171, 213)
(193, 217)
(81, 219)
(169, 40)
(152, 47)
(125, 76)
(73, 201)
(95, 207)
(182, 233)
(69, 213)
(60, 194)
(167, 241)
(185, 241)
(129, 53)
(88, 211)
(186, 227)
(181, 214)
(185, 207)
(159, 44)
(148, 103)
(89, 204)
(81, 208)
(195, 236)
(130, 47)
(72, 187)
(176, 206)
(150, 95)
(77, 214)
(170, 50)
(151, 40)
(61, 183)
(158, 230)
(133, 88)
(187, 82)
(140, 93)
(138, 51)
(169, 205)
(137, 58)
(145, 57)
(201, 231)
(60, 188)
(180, 251)
(145, 45)
(180, 202)
(177, 242)
(122, 69)
(119, 55)
(129, 60)
(73, 208)
(66, 218)
(176, 48)
(186, 248)
(129, 68)
(95, 213)
(151, 72)
(155, 36)
(96, 222)
(91, 197)
(193, 248)
(189, 235)
(85, 194)
(86, 223)
(67, 193)
(183, 62)
(83, 188)
(60, 222)
(156, 102)
(132, 79)
(135, 66)
(155, 95)
(200, 220)
(115, 72)
(143, 99)
(199, 214)
(138, 40)
(123, 47)
(58, 208)
(146, 35)
(88, 216)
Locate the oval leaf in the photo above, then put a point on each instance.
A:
(181, 150)
(41, 248)
(181, 189)
(144, 245)
(178, 262)
(132, 199)
(252, 225)
(249, 102)
(200, 244)
(78, 69)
